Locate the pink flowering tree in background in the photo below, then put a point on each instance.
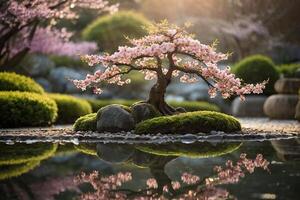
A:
(167, 52)
(21, 31)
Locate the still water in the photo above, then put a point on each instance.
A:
(202, 170)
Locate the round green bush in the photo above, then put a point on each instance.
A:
(86, 123)
(255, 69)
(196, 150)
(110, 31)
(9, 171)
(190, 122)
(21, 153)
(26, 109)
(70, 108)
(10, 81)
(289, 70)
(191, 106)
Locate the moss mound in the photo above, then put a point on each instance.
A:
(10, 81)
(289, 70)
(86, 123)
(191, 106)
(109, 31)
(87, 148)
(255, 69)
(197, 150)
(21, 153)
(9, 171)
(191, 122)
(70, 108)
(26, 109)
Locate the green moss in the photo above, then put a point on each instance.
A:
(255, 69)
(26, 109)
(197, 150)
(10, 81)
(109, 31)
(21, 153)
(191, 122)
(289, 70)
(98, 104)
(67, 61)
(9, 171)
(87, 148)
(191, 106)
(70, 108)
(66, 148)
(86, 123)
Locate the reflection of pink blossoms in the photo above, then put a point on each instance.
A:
(167, 52)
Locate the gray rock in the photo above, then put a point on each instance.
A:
(281, 106)
(37, 65)
(60, 78)
(287, 85)
(143, 111)
(44, 83)
(251, 107)
(114, 118)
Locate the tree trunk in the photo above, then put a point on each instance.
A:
(157, 97)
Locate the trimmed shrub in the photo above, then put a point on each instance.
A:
(98, 104)
(289, 70)
(196, 150)
(87, 148)
(109, 31)
(10, 81)
(70, 108)
(26, 109)
(191, 122)
(67, 61)
(191, 106)
(86, 123)
(255, 69)
(21, 153)
(9, 171)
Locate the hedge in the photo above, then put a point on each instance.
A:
(67, 61)
(98, 104)
(10, 81)
(289, 70)
(70, 108)
(26, 109)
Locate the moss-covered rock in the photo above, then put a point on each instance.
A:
(143, 111)
(87, 148)
(21, 153)
(255, 69)
(26, 109)
(9, 171)
(196, 150)
(191, 122)
(86, 123)
(109, 31)
(70, 108)
(10, 81)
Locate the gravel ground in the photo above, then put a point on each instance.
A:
(253, 129)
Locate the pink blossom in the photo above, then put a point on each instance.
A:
(151, 183)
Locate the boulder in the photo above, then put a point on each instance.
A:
(114, 118)
(60, 78)
(143, 111)
(37, 65)
(44, 83)
(251, 107)
(281, 106)
(287, 85)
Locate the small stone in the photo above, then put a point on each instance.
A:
(143, 111)
(287, 85)
(281, 106)
(251, 107)
(114, 118)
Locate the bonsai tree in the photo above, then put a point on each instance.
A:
(166, 52)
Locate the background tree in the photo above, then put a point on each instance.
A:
(168, 51)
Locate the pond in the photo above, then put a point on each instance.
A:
(198, 170)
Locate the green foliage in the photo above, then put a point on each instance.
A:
(67, 61)
(191, 122)
(87, 148)
(191, 106)
(26, 109)
(98, 104)
(86, 123)
(196, 150)
(9, 171)
(10, 81)
(70, 108)
(255, 69)
(109, 31)
(21, 153)
(289, 70)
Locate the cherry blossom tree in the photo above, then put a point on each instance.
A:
(167, 52)
(20, 21)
